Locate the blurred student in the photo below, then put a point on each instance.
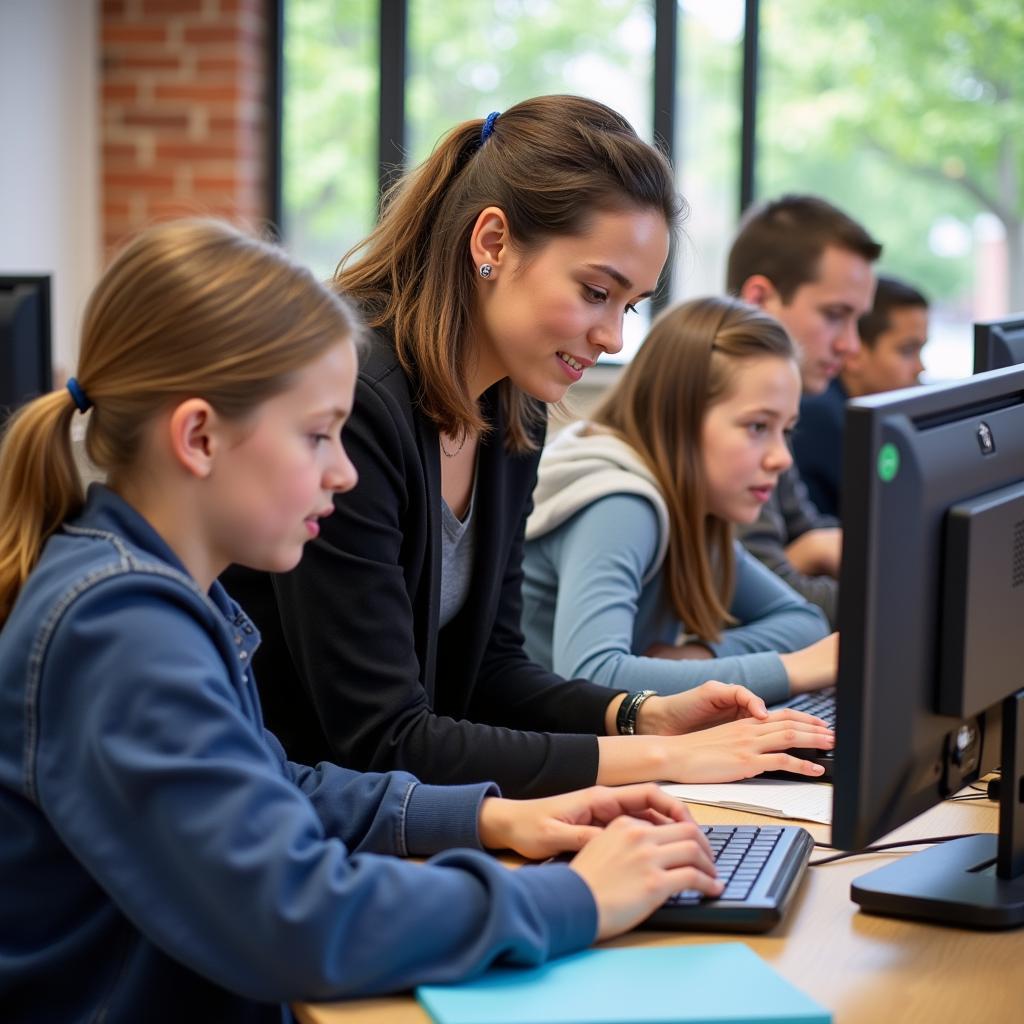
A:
(160, 859)
(501, 269)
(892, 337)
(809, 265)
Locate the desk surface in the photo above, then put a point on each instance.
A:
(864, 969)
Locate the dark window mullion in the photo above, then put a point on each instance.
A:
(748, 126)
(666, 21)
(393, 18)
(275, 116)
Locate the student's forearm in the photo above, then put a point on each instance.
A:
(625, 759)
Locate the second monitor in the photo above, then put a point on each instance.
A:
(932, 639)
(999, 343)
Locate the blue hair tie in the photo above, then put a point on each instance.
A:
(79, 395)
(485, 132)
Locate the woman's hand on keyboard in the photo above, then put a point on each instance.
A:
(633, 866)
(556, 824)
(743, 749)
(715, 732)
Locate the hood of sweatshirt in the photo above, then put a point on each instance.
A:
(577, 468)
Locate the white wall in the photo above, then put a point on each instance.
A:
(49, 153)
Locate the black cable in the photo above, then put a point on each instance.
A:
(883, 846)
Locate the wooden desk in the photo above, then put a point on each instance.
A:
(866, 970)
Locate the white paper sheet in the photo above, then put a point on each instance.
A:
(801, 801)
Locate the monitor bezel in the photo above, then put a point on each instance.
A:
(998, 343)
(866, 803)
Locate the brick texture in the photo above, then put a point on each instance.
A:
(184, 112)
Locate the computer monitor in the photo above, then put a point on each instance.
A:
(26, 369)
(931, 621)
(999, 343)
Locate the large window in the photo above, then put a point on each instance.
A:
(906, 115)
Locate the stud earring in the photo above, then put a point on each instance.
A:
(486, 270)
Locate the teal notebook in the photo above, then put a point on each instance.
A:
(652, 985)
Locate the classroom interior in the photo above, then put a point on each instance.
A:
(289, 116)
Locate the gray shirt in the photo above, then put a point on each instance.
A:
(457, 547)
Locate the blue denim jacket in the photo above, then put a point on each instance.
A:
(160, 859)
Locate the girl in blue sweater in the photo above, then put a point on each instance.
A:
(632, 576)
(160, 858)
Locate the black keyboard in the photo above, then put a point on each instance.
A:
(761, 866)
(821, 703)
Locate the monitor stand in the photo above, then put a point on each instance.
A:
(977, 882)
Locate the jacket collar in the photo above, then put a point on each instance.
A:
(108, 512)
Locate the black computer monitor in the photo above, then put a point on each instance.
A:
(999, 343)
(931, 622)
(26, 369)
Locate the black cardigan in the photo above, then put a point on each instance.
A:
(353, 667)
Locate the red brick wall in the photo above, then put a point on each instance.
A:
(183, 110)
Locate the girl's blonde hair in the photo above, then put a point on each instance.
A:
(191, 308)
(550, 163)
(687, 364)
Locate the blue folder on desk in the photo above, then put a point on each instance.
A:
(648, 985)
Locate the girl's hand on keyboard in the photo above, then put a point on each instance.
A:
(633, 866)
(743, 749)
(551, 825)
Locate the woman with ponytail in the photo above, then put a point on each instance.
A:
(160, 858)
(501, 269)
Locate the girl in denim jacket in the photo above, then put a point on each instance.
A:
(160, 858)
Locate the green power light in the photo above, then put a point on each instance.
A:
(888, 462)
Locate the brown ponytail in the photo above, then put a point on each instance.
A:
(39, 487)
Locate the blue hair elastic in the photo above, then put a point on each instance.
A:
(79, 395)
(485, 132)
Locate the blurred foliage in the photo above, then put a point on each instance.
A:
(467, 59)
(330, 127)
(899, 113)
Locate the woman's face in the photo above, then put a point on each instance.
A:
(745, 443)
(542, 318)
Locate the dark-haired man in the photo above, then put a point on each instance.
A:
(809, 265)
(892, 336)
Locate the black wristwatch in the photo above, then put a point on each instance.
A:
(625, 720)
